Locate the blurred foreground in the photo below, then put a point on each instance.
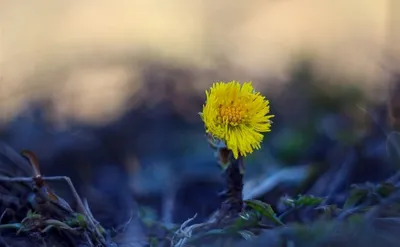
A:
(109, 96)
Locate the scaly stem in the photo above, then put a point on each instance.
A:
(234, 180)
(233, 203)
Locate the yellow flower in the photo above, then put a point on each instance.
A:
(237, 115)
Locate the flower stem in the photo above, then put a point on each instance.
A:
(233, 203)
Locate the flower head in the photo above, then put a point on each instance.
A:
(237, 115)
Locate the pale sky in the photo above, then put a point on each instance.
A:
(43, 39)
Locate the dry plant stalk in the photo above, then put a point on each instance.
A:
(50, 209)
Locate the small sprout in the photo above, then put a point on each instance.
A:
(78, 220)
(265, 210)
(307, 200)
(301, 201)
(33, 215)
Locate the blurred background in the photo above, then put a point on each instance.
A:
(108, 93)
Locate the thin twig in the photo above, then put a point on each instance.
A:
(3, 214)
(86, 205)
(124, 226)
(182, 231)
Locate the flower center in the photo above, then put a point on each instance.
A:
(232, 114)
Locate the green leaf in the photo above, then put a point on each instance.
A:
(245, 219)
(385, 189)
(32, 215)
(81, 220)
(356, 195)
(77, 220)
(307, 200)
(265, 210)
(302, 200)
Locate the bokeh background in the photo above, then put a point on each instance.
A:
(108, 93)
